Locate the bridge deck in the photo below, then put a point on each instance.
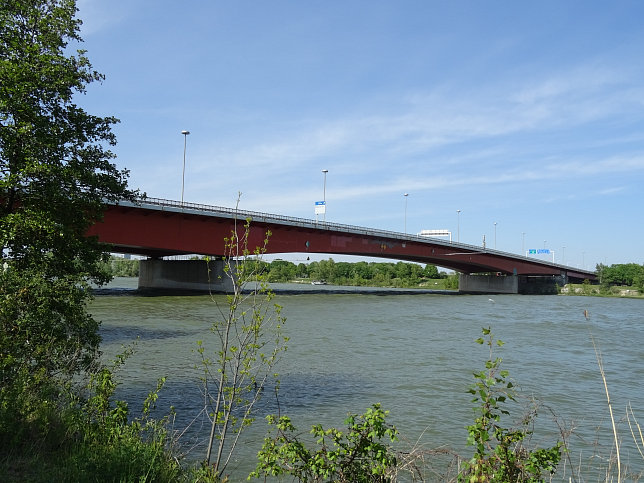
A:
(157, 228)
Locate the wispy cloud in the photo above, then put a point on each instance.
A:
(99, 15)
(424, 123)
(612, 191)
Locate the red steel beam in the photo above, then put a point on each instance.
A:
(162, 231)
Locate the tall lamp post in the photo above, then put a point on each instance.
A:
(523, 243)
(495, 235)
(183, 174)
(458, 225)
(325, 171)
(406, 195)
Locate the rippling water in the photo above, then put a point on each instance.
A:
(415, 354)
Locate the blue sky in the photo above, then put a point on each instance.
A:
(529, 115)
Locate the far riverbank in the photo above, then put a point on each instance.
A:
(128, 286)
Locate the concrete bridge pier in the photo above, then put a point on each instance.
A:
(183, 276)
(488, 284)
(508, 284)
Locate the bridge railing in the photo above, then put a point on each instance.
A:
(322, 225)
(325, 225)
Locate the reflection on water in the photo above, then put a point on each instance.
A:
(413, 353)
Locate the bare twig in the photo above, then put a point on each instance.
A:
(600, 363)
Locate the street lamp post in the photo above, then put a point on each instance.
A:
(563, 256)
(183, 174)
(325, 171)
(406, 195)
(458, 225)
(495, 235)
(523, 243)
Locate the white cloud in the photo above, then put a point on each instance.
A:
(430, 122)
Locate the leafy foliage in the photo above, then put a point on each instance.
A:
(629, 274)
(499, 453)
(82, 435)
(55, 175)
(389, 274)
(122, 267)
(357, 455)
(137, 448)
(250, 342)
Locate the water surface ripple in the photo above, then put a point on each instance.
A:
(415, 354)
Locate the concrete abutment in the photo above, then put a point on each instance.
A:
(508, 284)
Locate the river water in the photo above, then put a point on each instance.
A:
(414, 354)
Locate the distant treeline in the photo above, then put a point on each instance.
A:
(627, 274)
(123, 267)
(375, 274)
(383, 274)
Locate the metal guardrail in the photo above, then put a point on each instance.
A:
(291, 220)
(198, 208)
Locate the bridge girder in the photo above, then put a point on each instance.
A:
(158, 231)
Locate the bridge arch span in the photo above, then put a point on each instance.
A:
(159, 228)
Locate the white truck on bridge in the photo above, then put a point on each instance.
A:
(436, 233)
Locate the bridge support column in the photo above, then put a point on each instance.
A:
(183, 276)
(508, 284)
(539, 285)
(488, 284)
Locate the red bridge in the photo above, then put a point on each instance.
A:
(158, 228)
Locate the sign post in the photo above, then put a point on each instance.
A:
(320, 209)
(541, 251)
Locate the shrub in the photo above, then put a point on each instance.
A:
(500, 454)
(357, 455)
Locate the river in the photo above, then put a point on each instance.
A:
(415, 354)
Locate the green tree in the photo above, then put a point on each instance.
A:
(55, 176)
(363, 271)
(402, 270)
(324, 270)
(121, 267)
(383, 273)
(248, 344)
(431, 271)
(344, 273)
(451, 281)
(301, 271)
(281, 271)
(630, 274)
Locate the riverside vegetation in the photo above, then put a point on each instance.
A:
(362, 274)
(59, 418)
(618, 280)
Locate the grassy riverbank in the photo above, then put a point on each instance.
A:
(585, 289)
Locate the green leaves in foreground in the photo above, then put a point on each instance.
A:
(500, 454)
(357, 455)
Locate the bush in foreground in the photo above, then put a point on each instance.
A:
(66, 437)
